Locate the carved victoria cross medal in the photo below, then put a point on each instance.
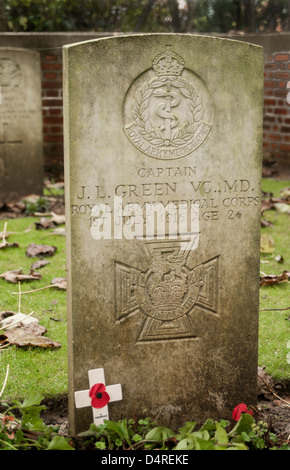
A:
(167, 292)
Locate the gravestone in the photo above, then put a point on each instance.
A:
(21, 163)
(163, 141)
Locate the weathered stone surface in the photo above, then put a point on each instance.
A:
(170, 312)
(21, 165)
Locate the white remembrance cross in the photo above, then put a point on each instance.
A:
(82, 398)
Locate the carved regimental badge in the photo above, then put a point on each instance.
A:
(167, 292)
(168, 109)
(10, 75)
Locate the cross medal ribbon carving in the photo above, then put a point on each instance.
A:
(167, 292)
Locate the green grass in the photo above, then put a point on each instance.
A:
(45, 370)
(35, 368)
(274, 325)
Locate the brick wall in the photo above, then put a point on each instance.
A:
(52, 105)
(276, 141)
(276, 137)
(276, 89)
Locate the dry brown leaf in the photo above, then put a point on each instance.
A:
(17, 275)
(271, 203)
(270, 279)
(59, 282)
(266, 223)
(44, 223)
(39, 264)
(285, 192)
(282, 207)
(266, 205)
(57, 219)
(16, 319)
(58, 231)
(35, 250)
(6, 313)
(29, 335)
(5, 244)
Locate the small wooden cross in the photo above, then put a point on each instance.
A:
(83, 399)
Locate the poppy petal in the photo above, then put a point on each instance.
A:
(100, 402)
(97, 388)
(99, 396)
(238, 410)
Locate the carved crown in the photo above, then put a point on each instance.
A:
(167, 294)
(168, 63)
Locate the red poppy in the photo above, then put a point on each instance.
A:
(99, 396)
(239, 409)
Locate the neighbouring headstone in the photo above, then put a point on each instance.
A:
(163, 141)
(21, 162)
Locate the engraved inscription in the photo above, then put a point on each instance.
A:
(207, 199)
(167, 110)
(166, 292)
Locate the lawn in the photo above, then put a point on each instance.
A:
(45, 369)
(35, 368)
(274, 324)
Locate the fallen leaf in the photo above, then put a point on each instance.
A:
(57, 219)
(59, 282)
(270, 279)
(29, 335)
(266, 205)
(31, 198)
(16, 207)
(59, 185)
(39, 264)
(273, 203)
(285, 192)
(266, 223)
(17, 319)
(279, 259)
(267, 194)
(5, 314)
(265, 381)
(282, 208)
(44, 223)
(15, 276)
(267, 244)
(5, 244)
(34, 250)
(58, 231)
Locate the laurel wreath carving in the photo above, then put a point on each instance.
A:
(181, 135)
